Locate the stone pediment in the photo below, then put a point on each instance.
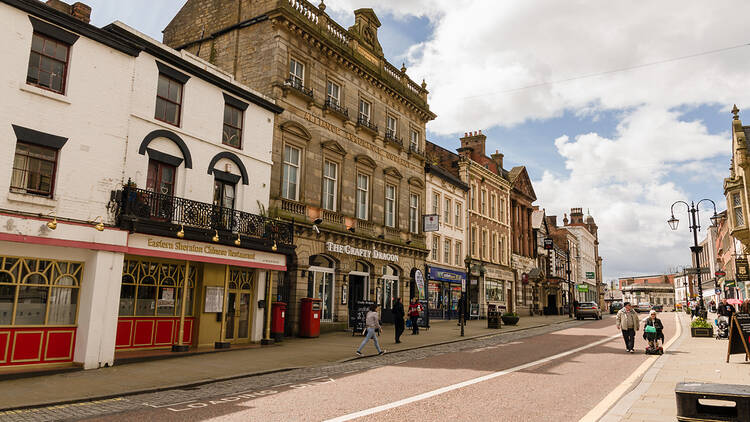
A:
(365, 161)
(414, 181)
(393, 172)
(296, 129)
(333, 146)
(522, 183)
(365, 30)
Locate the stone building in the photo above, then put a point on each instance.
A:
(348, 164)
(523, 247)
(655, 289)
(588, 276)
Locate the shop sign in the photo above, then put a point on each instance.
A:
(720, 273)
(360, 252)
(548, 243)
(430, 223)
(582, 287)
(742, 270)
(497, 273)
(449, 276)
(419, 279)
(729, 283)
(524, 278)
(590, 275)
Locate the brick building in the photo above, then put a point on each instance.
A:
(348, 164)
(523, 262)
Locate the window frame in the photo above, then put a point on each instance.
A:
(337, 99)
(394, 206)
(299, 79)
(447, 208)
(53, 175)
(65, 64)
(447, 250)
(435, 248)
(413, 213)
(737, 206)
(179, 104)
(367, 191)
(325, 195)
(458, 252)
(473, 234)
(493, 206)
(393, 132)
(458, 217)
(360, 113)
(436, 198)
(414, 136)
(483, 202)
(298, 167)
(239, 129)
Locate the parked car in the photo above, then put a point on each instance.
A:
(614, 307)
(658, 308)
(643, 307)
(588, 309)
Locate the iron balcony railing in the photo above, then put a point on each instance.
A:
(334, 106)
(390, 136)
(298, 86)
(415, 149)
(134, 203)
(367, 123)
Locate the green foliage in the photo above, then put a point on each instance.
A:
(510, 314)
(700, 323)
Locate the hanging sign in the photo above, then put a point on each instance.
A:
(583, 287)
(739, 336)
(419, 279)
(548, 243)
(720, 273)
(741, 269)
(430, 223)
(590, 275)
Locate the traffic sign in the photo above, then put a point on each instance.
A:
(717, 291)
(590, 275)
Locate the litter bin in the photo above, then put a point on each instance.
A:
(698, 401)
(278, 316)
(493, 316)
(309, 323)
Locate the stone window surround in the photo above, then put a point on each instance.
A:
(367, 171)
(338, 160)
(300, 174)
(336, 80)
(412, 192)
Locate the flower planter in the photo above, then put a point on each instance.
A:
(702, 332)
(509, 320)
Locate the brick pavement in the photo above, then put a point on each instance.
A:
(689, 359)
(293, 353)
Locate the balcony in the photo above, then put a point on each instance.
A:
(296, 86)
(391, 138)
(143, 211)
(366, 124)
(332, 216)
(414, 149)
(333, 107)
(366, 226)
(293, 207)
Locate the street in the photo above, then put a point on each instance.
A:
(565, 371)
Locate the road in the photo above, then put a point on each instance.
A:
(549, 373)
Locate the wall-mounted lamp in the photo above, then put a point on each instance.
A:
(52, 225)
(302, 273)
(100, 226)
(181, 233)
(350, 228)
(216, 236)
(381, 236)
(318, 221)
(408, 242)
(238, 241)
(274, 247)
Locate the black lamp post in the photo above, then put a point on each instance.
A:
(695, 227)
(570, 286)
(462, 303)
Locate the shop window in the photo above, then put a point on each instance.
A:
(154, 289)
(494, 290)
(38, 292)
(33, 169)
(48, 63)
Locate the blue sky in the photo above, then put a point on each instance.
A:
(624, 145)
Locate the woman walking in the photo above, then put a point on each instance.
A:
(414, 308)
(373, 329)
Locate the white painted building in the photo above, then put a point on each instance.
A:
(446, 198)
(584, 263)
(88, 266)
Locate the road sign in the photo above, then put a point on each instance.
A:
(717, 291)
(583, 287)
(590, 275)
(548, 243)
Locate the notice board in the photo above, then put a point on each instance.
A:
(358, 316)
(739, 336)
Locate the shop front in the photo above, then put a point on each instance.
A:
(444, 292)
(498, 284)
(177, 294)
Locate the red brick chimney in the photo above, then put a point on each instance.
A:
(498, 159)
(474, 140)
(78, 10)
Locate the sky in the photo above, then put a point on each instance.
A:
(615, 107)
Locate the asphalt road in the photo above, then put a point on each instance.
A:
(550, 373)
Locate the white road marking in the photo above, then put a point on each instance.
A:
(433, 393)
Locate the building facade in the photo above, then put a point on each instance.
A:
(348, 151)
(446, 270)
(654, 289)
(588, 263)
(123, 205)
(523, 246)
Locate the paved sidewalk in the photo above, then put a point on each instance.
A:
(196, 369)
(689, 359)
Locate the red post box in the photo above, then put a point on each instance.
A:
(309, 323)
(278, 316)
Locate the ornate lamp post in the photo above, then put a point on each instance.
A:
(462, 302)
(695, 227)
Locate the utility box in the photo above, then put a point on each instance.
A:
(278, 317)
(309, 322)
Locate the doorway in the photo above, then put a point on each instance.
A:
(388, 291)
(239, 301)
(552, 305)
(358, 286)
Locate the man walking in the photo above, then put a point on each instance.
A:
(398, 318)
(373, 329)
(627, 322)
(726, 309)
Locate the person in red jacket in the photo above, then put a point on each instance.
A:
(414, 309)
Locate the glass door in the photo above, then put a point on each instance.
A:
(239, 306)
(324, 290)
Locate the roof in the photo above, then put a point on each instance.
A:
(446, 175)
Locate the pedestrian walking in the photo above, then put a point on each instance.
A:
(726, 309)
(372, 331)
(627, 322)
(694, 309)
(398, 318)
(414, 309)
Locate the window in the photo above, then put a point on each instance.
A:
(501, 247)
(413, 213)
(333, 93)
(33, 169)
(459, 219)
(474, 241)
(493, 199)
(290, 175)
(447, 251)
(737, 209)
(435, 203)
(161, 177)
(436, 248)
(168, 100)
(363, 199)
(447, 211)
(232, 134)
(414, 140)
(390, 205)
(484, 244)
(364, 111)
(224, 194)
(483, 200)
(494, 290)
(391, 124)
(296, 73)
(330, 170)
(502, 210)
(493, 247)
(38, 292)
(48, 63)
(473, 201)
(457, 259)
(155, 288)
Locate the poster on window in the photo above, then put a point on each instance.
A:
(167, 297)
(214, 299)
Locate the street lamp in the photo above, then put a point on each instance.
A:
(694, 225)
(570, 286)
(462, 305)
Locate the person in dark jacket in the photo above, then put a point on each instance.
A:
(726, 309)
(655, 322)
(414, 309)
(398, 318)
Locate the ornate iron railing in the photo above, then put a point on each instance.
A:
(367, 123)
(415, 149)
(391, 137)
(334, 106)
(299, 87)
(144, 204)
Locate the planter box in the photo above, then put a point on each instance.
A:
(509, 320)
(702, 332)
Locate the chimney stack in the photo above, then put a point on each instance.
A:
(78, 10)
(474, 140)
(498, 159)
